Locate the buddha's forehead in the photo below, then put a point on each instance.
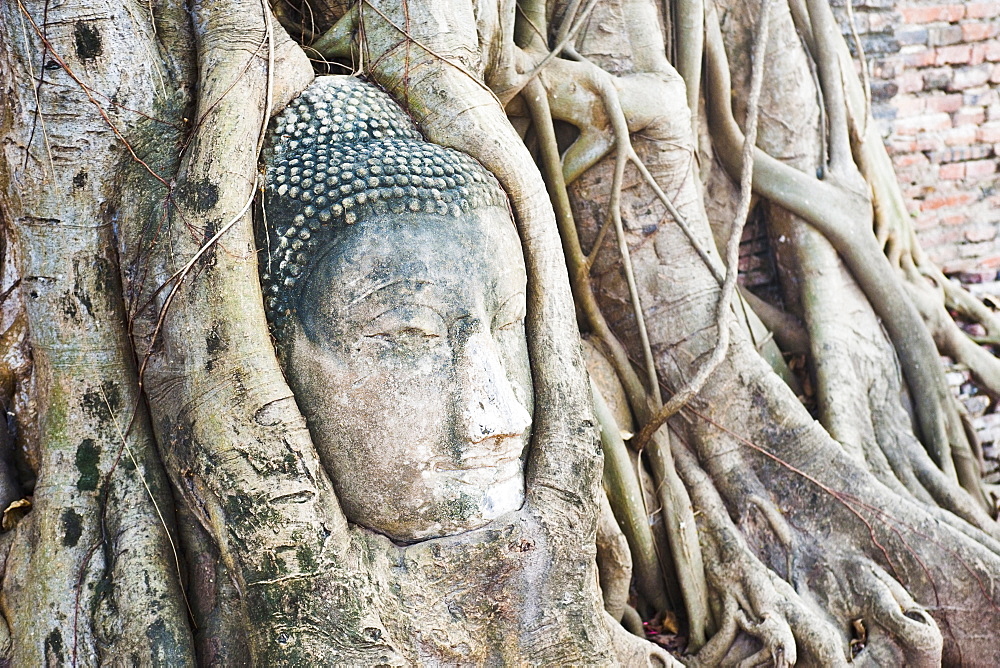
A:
(478, 254)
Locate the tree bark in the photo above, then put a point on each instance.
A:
(179, 512)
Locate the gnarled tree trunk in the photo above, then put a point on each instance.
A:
(179, 512)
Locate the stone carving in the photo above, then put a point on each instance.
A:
(395, 288)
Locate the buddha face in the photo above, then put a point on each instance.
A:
(408, 357)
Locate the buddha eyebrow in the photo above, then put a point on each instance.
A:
(378, 287)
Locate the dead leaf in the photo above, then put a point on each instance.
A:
(13, 513)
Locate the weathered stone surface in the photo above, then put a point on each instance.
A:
(396, 292)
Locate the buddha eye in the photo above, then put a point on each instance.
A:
(407, 334)
(407, 325)
(511, 314)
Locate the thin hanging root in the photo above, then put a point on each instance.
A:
(709, 260)
(682, 531)
(950, 339)
(625, 496)
(680, 524)
(831, 81)
(694, 385)
(624, 147)
(959, 299)
(583, 292)
(678, 512)
(563, 39)
(604, 87)
(594, 142)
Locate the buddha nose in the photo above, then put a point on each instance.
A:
(489, 408)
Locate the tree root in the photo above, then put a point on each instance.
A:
(614, 562)
(899, 630)
(626, 499)
(753, 598)
(633, 650)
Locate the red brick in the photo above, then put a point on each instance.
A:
(909, 159)
(911, 105)
(978, 54)
(897, 146)
(946, 103)
(911, 81)
(970, 116)
(981, 233)
(961, 153)
(942, 257)
(927, 122)
(990, 262)
(953, 219)
(879, 22)
(975, 249)
(995, 74)
(981, 10)
(938, 237)
(912, 174)
(941, 201)
(969, 77)
(988, 133)
(978, 169)
(930, 142)
(943, 35)
(981, 96)
(883, 69)
(916, 56)
(932, 13)
(952, 171)
(992, 50)
(976, 32)
(926, 220)
(957, 54)
(960, 136)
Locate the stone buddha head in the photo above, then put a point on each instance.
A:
(395, 290)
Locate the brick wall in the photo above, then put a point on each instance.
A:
(935, 78)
